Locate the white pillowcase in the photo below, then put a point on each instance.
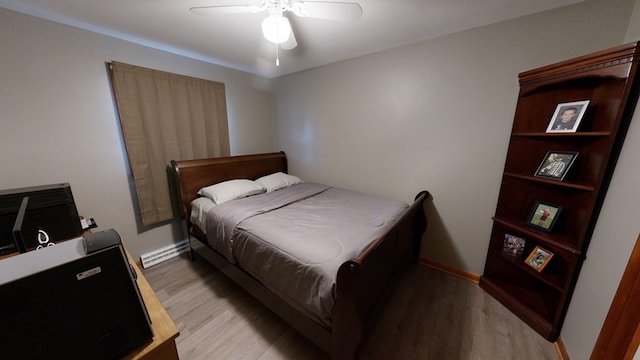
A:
(231, 190)
(199, 208)
(278, 180)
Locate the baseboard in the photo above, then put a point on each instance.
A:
(475, 278)
(561, 349)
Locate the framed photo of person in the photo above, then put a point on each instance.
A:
(556, 164)
(544, 216)
(567, 117)
(513, 245)
(539, 258)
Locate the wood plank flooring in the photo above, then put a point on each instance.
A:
(432, 315)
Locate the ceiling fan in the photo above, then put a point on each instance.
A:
(276, 27)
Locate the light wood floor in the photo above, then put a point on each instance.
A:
(432, 315)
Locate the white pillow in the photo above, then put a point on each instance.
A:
(278, 180)
(199, 208)
(230, 190)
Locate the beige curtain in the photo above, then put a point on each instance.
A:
(166, 117)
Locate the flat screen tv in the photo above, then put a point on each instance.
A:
(51, 209)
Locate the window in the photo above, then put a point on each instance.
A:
(166, 117)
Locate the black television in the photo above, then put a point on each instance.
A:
(51, 209)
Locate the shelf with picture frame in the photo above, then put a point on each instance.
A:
(519, 196)
(549, 278)
(566, 184)
(527, 153)
(568, 129)
(554, 240)
(556, 280)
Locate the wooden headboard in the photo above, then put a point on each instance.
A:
(192, 175)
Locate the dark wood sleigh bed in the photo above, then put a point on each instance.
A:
(363, 283)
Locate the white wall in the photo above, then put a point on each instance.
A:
(437, 116)
(58, 123)
(612, 242)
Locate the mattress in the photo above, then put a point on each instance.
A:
(294, 240)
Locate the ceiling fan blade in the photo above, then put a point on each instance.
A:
(291, 42)
(328, 10)
(225, 9)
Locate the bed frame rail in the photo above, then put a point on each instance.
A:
(365, 283)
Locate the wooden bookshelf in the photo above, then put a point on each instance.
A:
(608, 80)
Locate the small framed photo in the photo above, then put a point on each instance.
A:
(567, 117)
(539, 258)
(556, 164)
(544, 216)
(513, 245)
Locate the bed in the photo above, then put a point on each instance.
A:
(358, 284)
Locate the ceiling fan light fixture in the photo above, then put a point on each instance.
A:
(276, 28)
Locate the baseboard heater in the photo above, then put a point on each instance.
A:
(163, 254)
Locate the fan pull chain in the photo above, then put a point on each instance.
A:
(277, 52)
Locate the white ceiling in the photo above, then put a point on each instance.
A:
(235, 40)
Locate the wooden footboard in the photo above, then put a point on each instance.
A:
(363, 284)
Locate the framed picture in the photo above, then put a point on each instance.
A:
(567, 116)
(544, 216)
(539, 258)
(556, 164)
(513, 245)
